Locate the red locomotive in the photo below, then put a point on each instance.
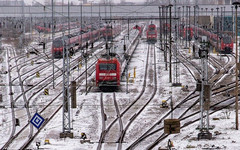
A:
(108, 73)
(226, 44)
(152, 34)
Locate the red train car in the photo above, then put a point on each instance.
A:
(73, 42)
(108, 73)
(165, 28)
(111, 32)
(186, 33)
(224, 43)
(152, 34)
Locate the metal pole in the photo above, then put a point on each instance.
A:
(160, 29)
(221, 19)
(81, 30)
(53, 30)
(23, 9)
(189, 25)
(236, 69)
(163, 39)
(165, 45)
(232, 22)
(194, 19)
(69, 18)
(170, 44)
(128, 29)
(91, 28)
(183, 25)
(223, 16)
(186, 31)
(217, 28)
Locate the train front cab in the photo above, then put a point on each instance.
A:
(57, 48)
(152, 37)
(108, 74)
(226, 45)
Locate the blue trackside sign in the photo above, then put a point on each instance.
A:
(37, 120)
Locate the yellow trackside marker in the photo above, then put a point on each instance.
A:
(134, 73)
(129, 75)
(189, 51)
(32, 63)
(80, 66)
(46, 92)
(214, 50)
(37, 74)
(47, 141)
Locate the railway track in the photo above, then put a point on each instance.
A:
(148, 132)
(27, 143)
(136, 114)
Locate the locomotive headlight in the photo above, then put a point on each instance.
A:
(112, 74)
(102, 74)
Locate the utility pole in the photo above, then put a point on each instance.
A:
(170, 44)
(183, 26)
(165, 31)
(186, 31)
(23, 26)
(217, 28)
(160, 28)
(232, 22)
(66, 130)
(221, 19)
(189, 40)
(53, 32)
(237, 64)
(164, 8)
(205, 95)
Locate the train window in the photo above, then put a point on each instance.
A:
(227, 40)
(107, 66)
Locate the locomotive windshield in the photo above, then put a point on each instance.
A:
(57, 43)
(151, 32)
(227, 40)
(107, 66)
(151, 28)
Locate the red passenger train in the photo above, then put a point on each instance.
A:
(224, 43)
(152, 34)
(73, 42)
(108, 73)
(186, 33)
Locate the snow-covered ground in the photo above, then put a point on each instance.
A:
(87, 117)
